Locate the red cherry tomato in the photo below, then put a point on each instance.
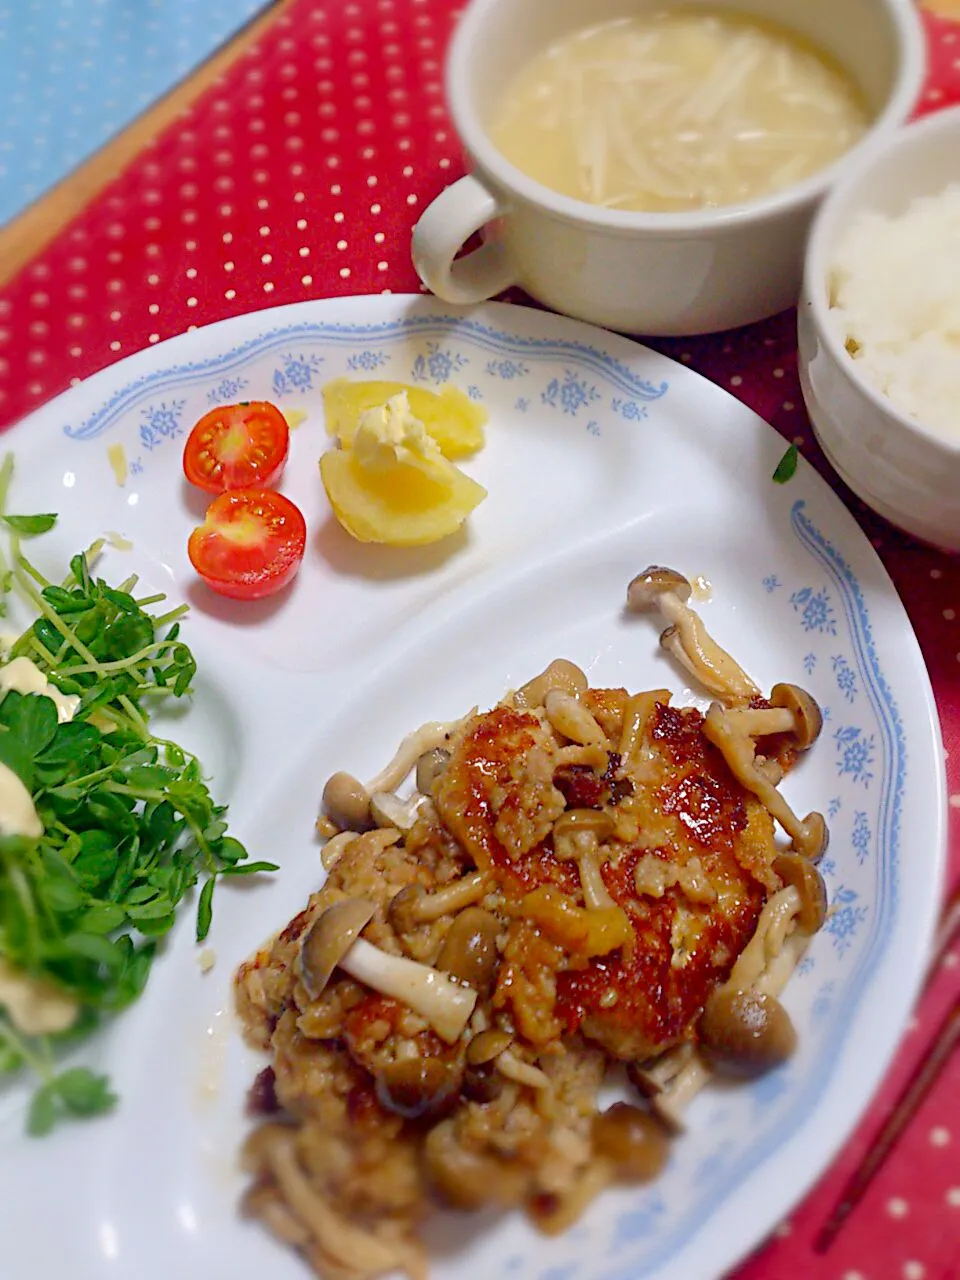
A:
(250, 544)
(237, 446)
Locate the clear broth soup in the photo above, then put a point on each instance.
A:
(678, 109)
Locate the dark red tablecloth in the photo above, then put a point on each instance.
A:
(299, 175)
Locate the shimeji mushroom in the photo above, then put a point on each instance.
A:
(654, 1076)
(777, 919)
(349, 1249)
(487, 1045)
(796, 870)
(482, 1082)
(792, 712)
(636, 715)
(670, 1082)
(744, 1030)
(431, 766)
(780, 968)
(745, 1033)
(632, 1140)
(577, 836)
(370, 842)
(427, 738)
(333, 941)
(414, 905)
(335, 847)
(786, 926)
(572, 719)
(788, 921)
(686, 637)
(514, 1068)
(671, 1103)
(561, 675)
(809, 835)
(470, 952)
(419, 1087)
(464, 1177)
(388, 810)
(348, 801)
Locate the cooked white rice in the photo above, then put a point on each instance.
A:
(895, 300)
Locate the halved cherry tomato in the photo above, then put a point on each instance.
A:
(250, 544)
(237, 446)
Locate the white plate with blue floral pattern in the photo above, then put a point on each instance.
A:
(601, 458)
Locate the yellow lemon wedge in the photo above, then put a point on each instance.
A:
(404, 506)
(449, 416)
(394, 486)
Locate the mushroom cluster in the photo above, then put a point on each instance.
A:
(333, 940)
(730, 732)
(744, 1030)
(789, 720)
(350, 805)
(686, 638)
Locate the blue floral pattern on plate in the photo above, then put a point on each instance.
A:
(161, 422)
(227, 390)
(856, 753)
(632, 410)
(368, 347)
(815, 609)
(438, 364)
(507, 369)
(366, 361)
(844, 918)
(860, 835)
(845, 676)
(296, 373)
(569, 393)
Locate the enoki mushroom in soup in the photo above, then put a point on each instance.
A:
(575, 878)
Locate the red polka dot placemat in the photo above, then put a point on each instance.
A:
(299, 175)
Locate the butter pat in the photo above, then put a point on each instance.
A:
(389, 434)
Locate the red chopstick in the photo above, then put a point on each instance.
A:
(912, 1095)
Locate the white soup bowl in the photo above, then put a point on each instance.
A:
(652, 273)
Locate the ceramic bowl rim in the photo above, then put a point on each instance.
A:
(816, 268)
(910, 45)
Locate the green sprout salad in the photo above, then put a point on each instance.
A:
(113, 825)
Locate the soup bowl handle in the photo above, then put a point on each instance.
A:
(449, 221)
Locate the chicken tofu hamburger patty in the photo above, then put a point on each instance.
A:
(683, 853)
